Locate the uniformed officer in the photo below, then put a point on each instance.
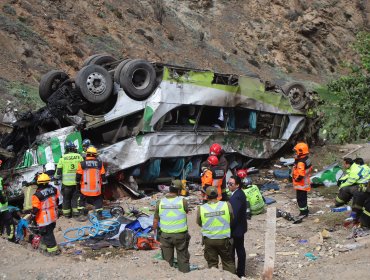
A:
(171, 213)
(215, 218)
(66, 169)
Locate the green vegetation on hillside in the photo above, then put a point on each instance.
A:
(347, 106)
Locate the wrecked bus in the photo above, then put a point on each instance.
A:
(151, 120)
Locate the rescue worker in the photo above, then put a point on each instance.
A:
(301, 174)
(29, 190)
(365, 215)
(6, 220)
(212, 175)
(215, 218)
(86, 143)
(252, 193)
(362, 194)
(216, 150)
(90, 179)
(50, 170)
(171, 213)
(348, 183)
(66, 170)
(44, 212)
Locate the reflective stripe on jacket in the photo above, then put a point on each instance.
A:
(218, 175)
(91, 170)
(172, 215)
(302, 170)
(215, 219)
(45, 200)
(255, 199)
(353, 176)
(68, 163)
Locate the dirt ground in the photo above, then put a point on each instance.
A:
(321, 234)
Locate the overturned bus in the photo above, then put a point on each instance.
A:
(152, 120)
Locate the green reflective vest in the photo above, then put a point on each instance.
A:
(28, 192)
(255, 199)
(364, 174)
(215, 219)
(352, 176)
(68, 163)
(3, 206)
(172, 215)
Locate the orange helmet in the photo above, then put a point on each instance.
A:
(212, 160)
(301, 149)
(215, 149)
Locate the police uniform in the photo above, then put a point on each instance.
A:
(66, 169)
(6, 222)
(215, 217)
(171, 213)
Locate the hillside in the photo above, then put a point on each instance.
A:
(303, 39)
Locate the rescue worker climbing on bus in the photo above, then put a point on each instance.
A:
(90, 180)
(348, 183)
(44, 213)
(66, 171)
(301, 174)
(170, 218)
(6, 220)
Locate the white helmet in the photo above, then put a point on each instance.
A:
(50, 166)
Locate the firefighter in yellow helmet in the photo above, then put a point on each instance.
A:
(301, 174)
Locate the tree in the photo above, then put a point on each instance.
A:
(352, 92)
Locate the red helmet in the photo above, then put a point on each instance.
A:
(241, 173)
(212, 160)
(215, 149)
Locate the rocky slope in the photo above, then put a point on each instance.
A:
(305, 39)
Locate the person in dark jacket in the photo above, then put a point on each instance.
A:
(239, 226)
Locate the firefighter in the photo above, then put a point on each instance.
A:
(90, 179)
(215, 218)
(301, 174)
(171, 214)
(6, 220)
(216, 150)
(29, 190)
(213, 175)
(85, 144)
(348, 183)
(44, 212)
(66, 170)
(254, 197)
(362, 194)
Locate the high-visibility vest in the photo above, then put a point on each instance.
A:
(68, 163)
(255, 199)
(218, 175)
(45, 200)
(352, 177)
(3, 206)
(215, 219)
(302, 167)
(364, 174)
(28, 192)
(91, 170)
(172, 215)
